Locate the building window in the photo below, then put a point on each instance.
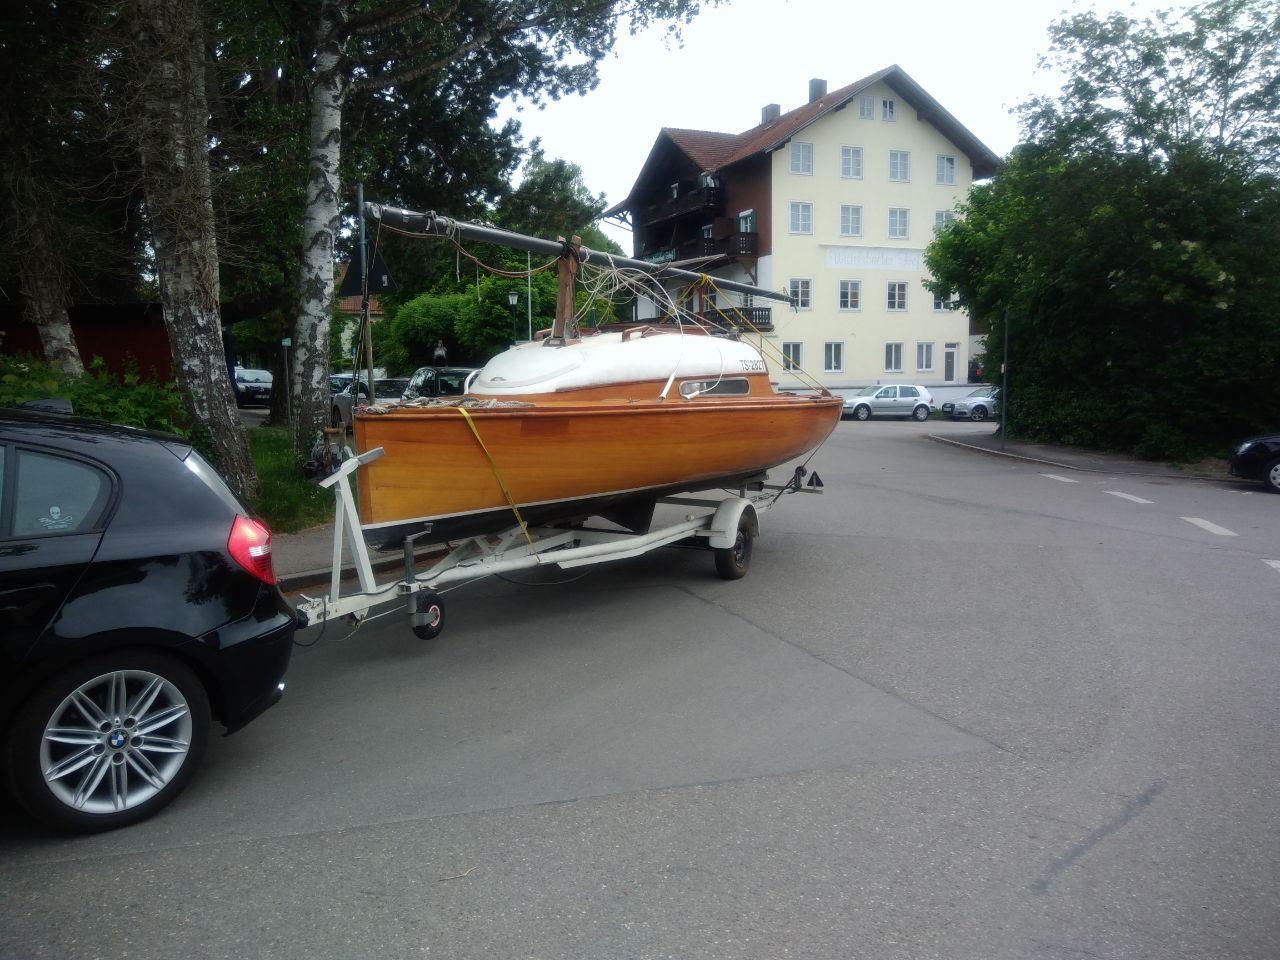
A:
(706, 232)
(799, 290)
(801, 157)
(886, 109)
(801, 217)
(943, 217)
(897, 295)
(833, 357)
(851, 163)
(946, 168)
(791, 356)
(893, 358)
(708, 180)
(924, 356)
(866, 107)
(942, 305)
(899, 223)
(673, 191)
(899, 165)
(850, 294)
(747, 221)
(850, 220)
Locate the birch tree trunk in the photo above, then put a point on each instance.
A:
(174, 146)
(45, 297)
(310, 376)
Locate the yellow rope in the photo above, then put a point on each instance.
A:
(505, 492)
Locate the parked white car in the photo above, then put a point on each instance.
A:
(889, 400)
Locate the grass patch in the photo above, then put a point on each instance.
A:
(287, 502)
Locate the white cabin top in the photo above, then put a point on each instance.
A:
(607, 358)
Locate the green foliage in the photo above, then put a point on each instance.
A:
(286, 501)
(98, 395)
(1140, 283)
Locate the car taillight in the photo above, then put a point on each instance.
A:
(250, 546)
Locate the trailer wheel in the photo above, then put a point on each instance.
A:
(429, 618)
(732, 563)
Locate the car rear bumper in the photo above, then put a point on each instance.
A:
(248, 659)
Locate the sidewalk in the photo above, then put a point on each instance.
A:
(1071, 458)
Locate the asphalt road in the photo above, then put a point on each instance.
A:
(961, 707)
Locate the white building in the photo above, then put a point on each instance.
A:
(833, 202)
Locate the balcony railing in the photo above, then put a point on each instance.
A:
(735, 245)
(761, 318)
(699, 199)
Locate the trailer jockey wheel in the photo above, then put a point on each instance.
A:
(428, 619)
(732, 563)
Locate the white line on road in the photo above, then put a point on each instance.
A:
(1054, 476)
(1273, 564)
(1211, 527)
(1127, 496)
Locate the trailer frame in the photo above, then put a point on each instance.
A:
(726, 526)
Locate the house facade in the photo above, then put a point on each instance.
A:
(834, 204)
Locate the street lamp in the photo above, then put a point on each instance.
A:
(513, 298)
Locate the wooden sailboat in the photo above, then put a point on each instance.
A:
(572, 426)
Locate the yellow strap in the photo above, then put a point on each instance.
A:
(505, 492)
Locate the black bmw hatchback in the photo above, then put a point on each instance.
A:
(137, 603)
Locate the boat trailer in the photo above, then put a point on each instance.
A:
(728, 527)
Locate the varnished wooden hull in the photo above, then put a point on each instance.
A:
(566, 460)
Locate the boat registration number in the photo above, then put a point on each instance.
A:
(752, 366)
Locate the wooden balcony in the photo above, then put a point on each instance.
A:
(699, 200)
(734, 245)
(761, 318)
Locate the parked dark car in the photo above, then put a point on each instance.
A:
(438, 382)
(137, 603)
(253, 387)
(1258, 458)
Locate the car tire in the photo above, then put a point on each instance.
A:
(978, 413)
(920, 414)
(88, 716)
(1272, 476)
(862, 413)
(732, 563)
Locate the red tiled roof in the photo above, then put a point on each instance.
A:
(713, 151)
(706, 148)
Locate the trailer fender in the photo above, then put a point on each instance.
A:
(724, 525)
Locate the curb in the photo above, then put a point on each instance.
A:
(292, 582)
(1068, 466)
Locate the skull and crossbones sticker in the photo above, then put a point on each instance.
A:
(56, 520)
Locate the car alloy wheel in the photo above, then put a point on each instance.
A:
(921, 413)
(110, 742)
(978, 413)
(1272, 476)
(862, 413)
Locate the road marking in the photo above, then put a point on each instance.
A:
(1211, 527)
(1054, 476)
(1273, 564)
(1127, 496)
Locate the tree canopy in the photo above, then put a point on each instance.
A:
(1131, 238)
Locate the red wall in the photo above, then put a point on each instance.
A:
(114, 332)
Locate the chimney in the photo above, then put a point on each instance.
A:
(817, 89)
(770, 113)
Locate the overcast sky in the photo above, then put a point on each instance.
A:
(977, 59)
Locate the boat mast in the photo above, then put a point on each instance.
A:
(434, 224)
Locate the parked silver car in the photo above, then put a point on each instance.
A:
(978, 405)
(356, 394)
(889, 400)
